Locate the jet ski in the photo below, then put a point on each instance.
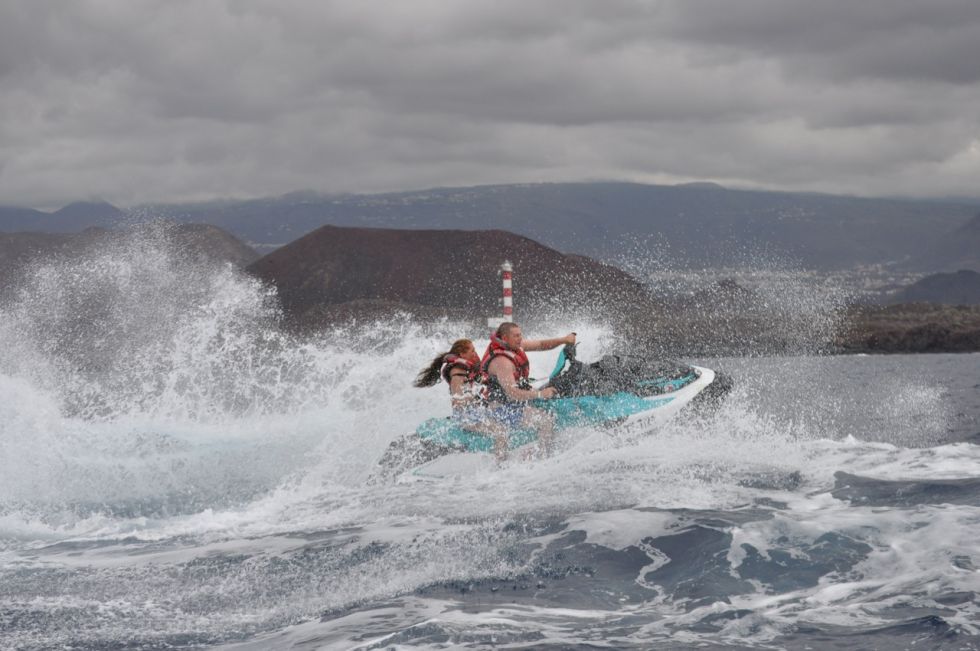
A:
(616, 390)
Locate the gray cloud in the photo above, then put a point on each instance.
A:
(900, 39)
(167, 100)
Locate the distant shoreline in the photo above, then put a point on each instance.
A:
(887, 330)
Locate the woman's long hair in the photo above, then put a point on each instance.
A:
(431, 374)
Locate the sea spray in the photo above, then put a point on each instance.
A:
(141, 380)
(204, 478)
(758, 303)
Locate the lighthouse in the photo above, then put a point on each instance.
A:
(507, 300)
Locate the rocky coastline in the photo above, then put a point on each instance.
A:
(911, 328)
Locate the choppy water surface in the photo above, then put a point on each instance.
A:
(177, 473)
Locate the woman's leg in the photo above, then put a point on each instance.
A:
(544, 424)
(494, 430)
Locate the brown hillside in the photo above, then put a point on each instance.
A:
(16, 249)
(196, 242)
(210, 243)
(912, 328)
(455, 271)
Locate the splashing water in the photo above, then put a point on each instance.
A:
(176, 469)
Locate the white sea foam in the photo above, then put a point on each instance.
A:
(155, 419)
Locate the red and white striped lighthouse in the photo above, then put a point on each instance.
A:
(507, 301)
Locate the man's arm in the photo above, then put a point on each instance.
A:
(548, 344)
(503, 370)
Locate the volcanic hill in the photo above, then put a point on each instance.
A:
(452, 272)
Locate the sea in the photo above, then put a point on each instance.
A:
(178, 470)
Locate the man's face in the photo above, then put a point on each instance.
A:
(514, 338)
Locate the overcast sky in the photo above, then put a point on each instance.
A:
(136, 101)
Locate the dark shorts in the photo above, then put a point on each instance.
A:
(509, 414)
(471, 415)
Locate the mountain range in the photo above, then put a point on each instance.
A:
(684, 226)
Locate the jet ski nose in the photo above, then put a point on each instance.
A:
(714, 394)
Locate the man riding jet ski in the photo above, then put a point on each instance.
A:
(617, 389)
(491, 395)
(505, 370)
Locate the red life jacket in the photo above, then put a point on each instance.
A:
(522, 366)
(450, 361)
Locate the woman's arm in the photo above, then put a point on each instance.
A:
(457, 390)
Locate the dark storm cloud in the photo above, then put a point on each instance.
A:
(167, 100)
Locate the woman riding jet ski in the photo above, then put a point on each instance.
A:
(491, 395)
(617, 389)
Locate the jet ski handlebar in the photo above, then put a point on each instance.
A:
(569, 351)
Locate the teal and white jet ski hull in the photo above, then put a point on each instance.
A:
(472, 451)
(618, 408)
(615, 391)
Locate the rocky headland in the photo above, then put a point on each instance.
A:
(910, 328)
(337, 272)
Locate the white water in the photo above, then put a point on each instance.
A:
(153, 416)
